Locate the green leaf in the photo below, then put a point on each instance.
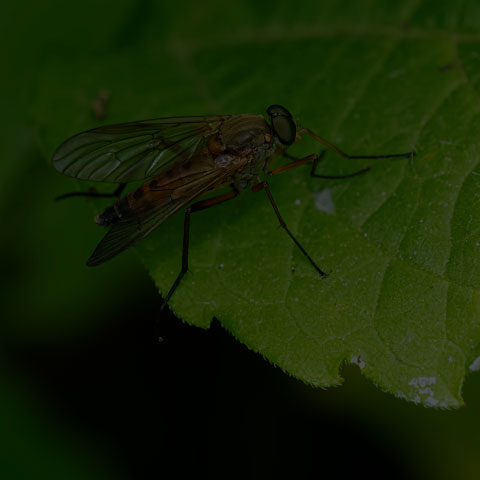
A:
(401, 244)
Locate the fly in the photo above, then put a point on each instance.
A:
(182, 158)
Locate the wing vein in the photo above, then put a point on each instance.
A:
(118, 153)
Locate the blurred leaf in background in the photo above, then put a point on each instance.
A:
(402, 297)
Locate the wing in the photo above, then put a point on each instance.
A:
(141, 222)
(132, 151)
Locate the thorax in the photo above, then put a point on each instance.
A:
(248, 137)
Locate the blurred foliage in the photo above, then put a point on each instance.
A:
(403, 71)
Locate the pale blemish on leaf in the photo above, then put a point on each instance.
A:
(324, 202)
(357, 360)
(425, 393)
(475, 365)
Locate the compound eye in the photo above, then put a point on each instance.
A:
(274, 110)
(285, 128)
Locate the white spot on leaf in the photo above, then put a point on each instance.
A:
(324, 202)
(431, 402)
(424, 390)
(475, 365)
(422, 381)
(357, 360)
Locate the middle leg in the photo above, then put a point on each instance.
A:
(196, 207)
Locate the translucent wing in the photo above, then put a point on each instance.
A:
(133, 151)
(142, 221)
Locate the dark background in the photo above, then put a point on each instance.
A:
(87, 391)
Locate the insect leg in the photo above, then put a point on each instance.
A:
(346, 155)
(297, 162)
(196, 207)
(314, 158)
(320, 157)
(264, 186)
(93, 193)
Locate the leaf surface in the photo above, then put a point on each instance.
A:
(401, 244)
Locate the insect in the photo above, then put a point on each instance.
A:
(182, 158)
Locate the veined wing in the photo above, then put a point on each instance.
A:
(142, 221)
(132, 151)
